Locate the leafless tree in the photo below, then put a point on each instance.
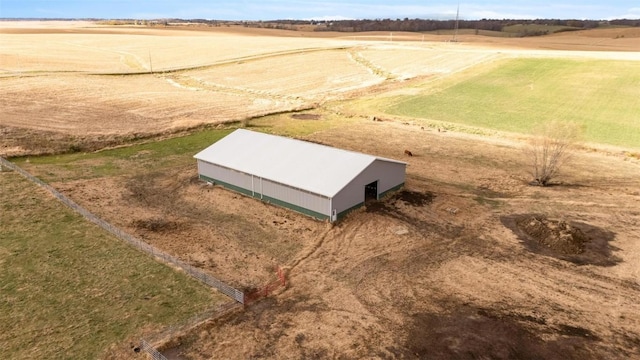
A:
(550, 149)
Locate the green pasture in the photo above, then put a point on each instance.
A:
(601, 96)
(129, 160)
(142, 164)
(69, 290)
(161, 154)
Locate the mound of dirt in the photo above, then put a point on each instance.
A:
(577, 242)
(557, 235)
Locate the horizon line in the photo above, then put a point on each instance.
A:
(319, 19)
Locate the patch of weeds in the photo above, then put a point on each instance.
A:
(539, 195)
(488, 202)
(74, 148)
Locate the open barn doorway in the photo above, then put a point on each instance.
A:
(371, 191)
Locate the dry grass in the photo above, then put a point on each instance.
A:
(230, 74)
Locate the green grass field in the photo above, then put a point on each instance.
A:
(156, 155)
(127, 160)
(69, 290)
(603, 97)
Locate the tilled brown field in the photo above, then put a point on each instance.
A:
(468, 261)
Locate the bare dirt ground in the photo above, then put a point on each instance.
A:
(450, 267)
(468, 261)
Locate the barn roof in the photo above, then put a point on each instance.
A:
(304, 165)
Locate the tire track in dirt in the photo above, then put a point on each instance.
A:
(195, 84)
(308, 253)
(359, 59)
(562, 295)
(248, 58)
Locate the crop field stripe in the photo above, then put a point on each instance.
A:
(219, 63)
(601, 96)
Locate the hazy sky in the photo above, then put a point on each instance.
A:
(300, 9)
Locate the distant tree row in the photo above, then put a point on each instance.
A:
(418, 25)
(529, 27)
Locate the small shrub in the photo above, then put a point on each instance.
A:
(550, 149)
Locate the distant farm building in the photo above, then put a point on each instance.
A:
(320, 181)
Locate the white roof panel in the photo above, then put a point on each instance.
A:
(304, 165)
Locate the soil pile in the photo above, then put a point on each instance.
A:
(577, 242)
(556, 235)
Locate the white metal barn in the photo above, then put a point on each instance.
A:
(316, 180)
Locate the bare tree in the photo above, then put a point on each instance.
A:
(550, 149)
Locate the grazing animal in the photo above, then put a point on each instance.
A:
(407, 152)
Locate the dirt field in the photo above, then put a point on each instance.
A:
(468, 261)
(100, 85)
(447, 268)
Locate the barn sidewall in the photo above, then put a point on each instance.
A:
(389, 175)
(299, 200)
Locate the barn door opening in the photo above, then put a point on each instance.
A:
(371, 191)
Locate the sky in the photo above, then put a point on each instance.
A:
(321, 10)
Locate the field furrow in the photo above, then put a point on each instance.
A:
(408, 62)
(308, 75)
(107, 105)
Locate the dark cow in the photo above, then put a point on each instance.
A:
(407, 152)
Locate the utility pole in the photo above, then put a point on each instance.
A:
(455, 30)
(150, 64)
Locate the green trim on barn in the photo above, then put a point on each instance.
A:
(345, 212)
(266, 199)
(227, 185)
(395, 188)
(290, 206)
(295, 208)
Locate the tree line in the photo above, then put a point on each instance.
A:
(418, 25)
(422, 25)
(406, 24)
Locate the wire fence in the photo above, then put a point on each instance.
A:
(180, 329)
(238, 296)
(183, 328)
(211, 281)
(155, 354)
